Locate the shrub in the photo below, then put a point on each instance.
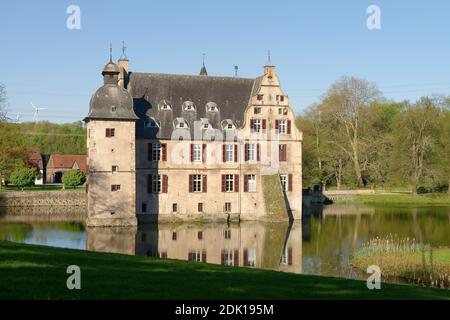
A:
(23, 177)
(73, 178)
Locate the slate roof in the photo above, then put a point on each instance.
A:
(150, 90)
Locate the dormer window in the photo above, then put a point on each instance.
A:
(113, 109)
(228, 124)
(212, 107)
(205, 126)
(164, 105)
(188, 106)
(181, 125)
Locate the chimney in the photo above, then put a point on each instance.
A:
(123, 75)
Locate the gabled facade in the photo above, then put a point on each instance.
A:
(187, 147)
(59, 163)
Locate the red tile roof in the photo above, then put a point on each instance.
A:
(67, 161)
(34, 157)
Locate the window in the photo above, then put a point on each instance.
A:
(197, 183)
(174, 207)
(257, 125)
(282, 154)
(286, 257)
(280, 98)
(281, 126)
(230, 126)
(227, 207)
(195, 256)
(257, 110)
(229, 183)
(174, 236)
(144, 207)
(156, 186)
(110, 132)
(115, 169)
(227, 257)
(284, 182)
(250, 257)
(181, 125)
(200, 235)
(197, 150)
(229, 155)
(227, 234)
(200, 207)
(156, 151)
(113, 109)
(115, 187)
(251, 149)
(260, 97)
(251, 183)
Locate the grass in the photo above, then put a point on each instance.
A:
(407, 259)
(402, 199)
(37, 272)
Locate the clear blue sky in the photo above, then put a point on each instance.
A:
(312, 43)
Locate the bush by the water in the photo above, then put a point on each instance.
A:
(73, 178)
(23, 177)
(407, 259)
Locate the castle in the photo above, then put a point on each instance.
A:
(165, 147)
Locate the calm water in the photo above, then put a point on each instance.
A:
(321, 244)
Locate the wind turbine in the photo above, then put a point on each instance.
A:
(36, 111)
(18, 118)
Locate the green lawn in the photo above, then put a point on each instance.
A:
(404, 199)
(36, 272)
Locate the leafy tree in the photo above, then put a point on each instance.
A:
(73, 178)
(3, 101)
(12, 150)
(23, 177)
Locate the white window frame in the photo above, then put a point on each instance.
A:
(197, 150)
(197, 183)
(229, 183)
(197, 255)
(114, 169)
(251, 180)
(229, 153)
(252, 148)
(284, 179)
(251, 257)
(156, 151)
(229, 258)
(257, 125)
(282, 124)
(118, 188)
(156, 183)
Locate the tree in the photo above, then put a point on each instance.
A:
(346, 102)
(73, 178)
(415, 134)
(12, 150)
(23, 177)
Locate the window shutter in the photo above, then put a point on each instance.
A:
(235, 153)
(283, 152)
(236, 258)
(277, 124)
(223, 183)
(203, 256)
(246, 152)
(205, 183)
(236, 183)
(252, 123)
(165, 183)
(149, 183)
(245, 183)
(289, 126)
(290, 256)
(192, 152)
(222, 258)
(191, 183)
(150, 153)
(258, 152)
(224, 159)
(264, 124)
(245, 258)
(164, 152)
(204, 152)
(108, 132)
(290, 182)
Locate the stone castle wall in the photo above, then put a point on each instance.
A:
(43, 198)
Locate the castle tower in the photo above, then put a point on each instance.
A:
(111, 125)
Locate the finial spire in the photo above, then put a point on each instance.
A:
(236, 68)
(268, 57)
(204, 59)
(123, 55)
(110, 52)
(203, 71)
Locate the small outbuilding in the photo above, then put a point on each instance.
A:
(58, 164)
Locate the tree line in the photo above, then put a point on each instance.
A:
(354, 138)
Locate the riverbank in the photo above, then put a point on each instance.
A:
(37, 272)
(400, 199)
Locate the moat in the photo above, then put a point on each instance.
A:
(322, 243)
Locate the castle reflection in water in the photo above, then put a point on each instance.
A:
(276, 246)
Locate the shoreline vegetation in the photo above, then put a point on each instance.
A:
(407, 259)
(38, 272)
(400, 199)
